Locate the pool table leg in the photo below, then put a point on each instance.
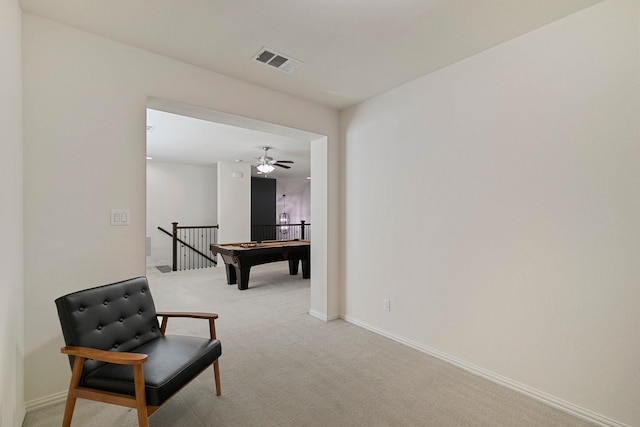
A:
(243, 277)
(231, 274)
(306, 268)
(293, 267)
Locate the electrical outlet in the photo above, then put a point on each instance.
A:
(386, 304)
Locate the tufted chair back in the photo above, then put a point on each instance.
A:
(116, 317)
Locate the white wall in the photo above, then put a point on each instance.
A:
(297, 202)
(186, 194)
(11, 252)
(234, 202)
(85, 101)
(507, 211)
(323, 217)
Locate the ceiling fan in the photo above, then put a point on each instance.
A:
(265, 164)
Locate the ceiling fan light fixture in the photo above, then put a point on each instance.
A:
(265, 168)
(266, 164)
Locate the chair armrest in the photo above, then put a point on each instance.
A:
(189, 314)
(122, 358)
(211, 317)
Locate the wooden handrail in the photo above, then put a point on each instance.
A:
(180, 227)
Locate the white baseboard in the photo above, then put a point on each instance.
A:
(322, 316)
(548, 399)
(318, 315)
(43, 402)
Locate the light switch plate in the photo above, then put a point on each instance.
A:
(120, 217)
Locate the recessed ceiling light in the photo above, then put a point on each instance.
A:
(149, 158)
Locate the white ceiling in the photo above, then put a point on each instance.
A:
(175, 138)
(351, 49)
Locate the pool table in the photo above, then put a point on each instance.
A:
(240, 257)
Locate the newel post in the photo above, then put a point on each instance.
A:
(302, 229)
(175, 246)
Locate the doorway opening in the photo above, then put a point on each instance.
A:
(314, 144)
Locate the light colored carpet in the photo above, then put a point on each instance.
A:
(282, 367)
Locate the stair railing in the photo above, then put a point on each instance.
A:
(191, 246)
(300, 231)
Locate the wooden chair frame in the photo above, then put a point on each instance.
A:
(138, 401)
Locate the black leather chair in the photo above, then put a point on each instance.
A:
(119, 353)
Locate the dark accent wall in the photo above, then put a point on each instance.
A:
(263, 205)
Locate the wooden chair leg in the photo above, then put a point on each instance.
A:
(216, 368)
(216, 374)
(78, 364)
(68, 410)
(141, 399)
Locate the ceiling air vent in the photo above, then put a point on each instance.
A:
(277, 60)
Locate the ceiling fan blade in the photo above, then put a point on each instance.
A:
(282, 166)
(284, 161)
